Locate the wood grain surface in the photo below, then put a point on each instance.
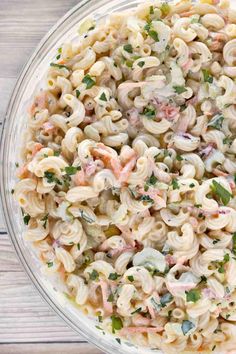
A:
(27, 324)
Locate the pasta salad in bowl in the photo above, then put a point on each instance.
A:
(127, 176)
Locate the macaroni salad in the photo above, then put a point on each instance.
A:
(128, 183)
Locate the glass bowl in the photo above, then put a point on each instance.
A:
(29, 82)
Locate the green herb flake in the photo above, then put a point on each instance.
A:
(116, 323)
(56, 153)
(136, 311)
(152, 180)
(45, 220)
(207, 77)
(216, 122)
(165, 8)
(16, 164)
(118, 340)
(100, 319)
(128, 48)
(50, 264)
(98, 327)
(26, 219)
(110, 298)
(221, 192)
(149, 112)
(141, 63)
(103, 97)
(227, 141)
(154, 35)
(213, 348)
(58, 66)
(187, 326)
(192, 185)
(71, 170)
(113, 276)
(175, 184)
(234, 243)
(59, 50)
(166, 299)
(151, 10)
(179, 158)
(203, 279)
(129, 63)
(12, 191)
(146, 198)
(50, 177)
(78, 246)
(179, 89)
(88, 81)
(94, 275)
(193, 295)
(130, 278)
(77, 92)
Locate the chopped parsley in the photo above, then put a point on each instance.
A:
(71, 170)
(26, 219)
(234, 243)
(175, 184)
(56, 153)
(192, 185)
(136, 311)
(113, 276)
(118, 340)
(116, 323)
(51, 178)
(152, 33)
(187, 326)
(130, 278)
(165, 8)
(152, 180)
(129, 63)
(110, 298)
(166, 299)
(45, 220)
(149, 112)
(103, 97)
(78, 246)
(216, 122)
(77, 93)
(207, 77)
(193, 295)
(50, 264)
(179, 158)
(221, 192)
(151, 10)
(128, 48)
(141, 63)
(88, 81)
(59, 66)
(179, 89)
(94, 275)
(227, 141)
(146, 198)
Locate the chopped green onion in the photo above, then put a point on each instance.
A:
(88, 81)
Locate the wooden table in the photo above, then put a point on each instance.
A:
(27, 324)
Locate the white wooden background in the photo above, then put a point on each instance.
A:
(27, 324)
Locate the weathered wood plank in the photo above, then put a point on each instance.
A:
(24, 316)
(62, 348)
(8, 259)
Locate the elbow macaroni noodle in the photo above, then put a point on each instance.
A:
(128, 179)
